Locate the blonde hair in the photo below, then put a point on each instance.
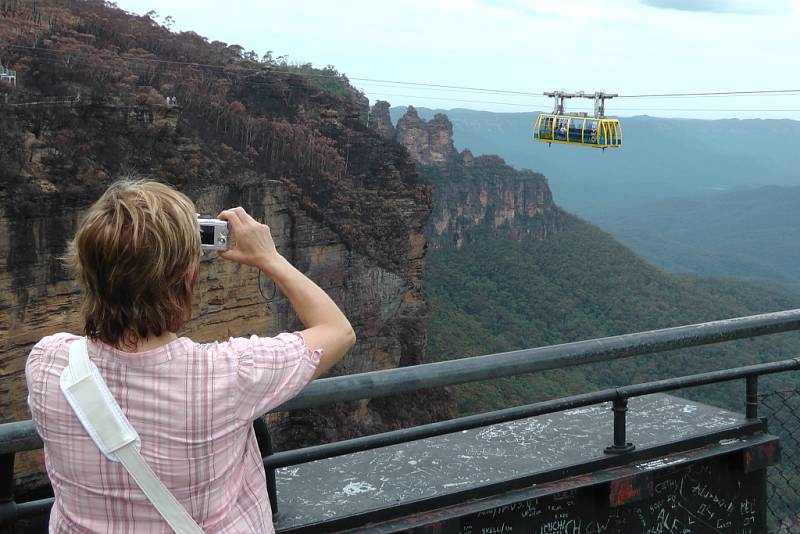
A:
(135, 255)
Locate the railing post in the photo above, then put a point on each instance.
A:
(620, 409)
(8, 508)
(751, 397)
(265, 449)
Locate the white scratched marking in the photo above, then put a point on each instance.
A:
(661, 462)
(354, 488)
(582, 411)
(451, 484)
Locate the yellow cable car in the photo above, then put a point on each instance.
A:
(578, 128)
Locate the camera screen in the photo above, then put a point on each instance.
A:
(207, 234)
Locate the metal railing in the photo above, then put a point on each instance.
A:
(21, 436)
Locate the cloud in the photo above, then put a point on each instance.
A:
(724, 6)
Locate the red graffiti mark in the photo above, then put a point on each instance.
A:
(622, 492)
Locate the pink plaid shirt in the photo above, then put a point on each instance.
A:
(193, 406)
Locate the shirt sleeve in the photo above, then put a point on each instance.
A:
(38, 365)
(32, 367)
(271, 370)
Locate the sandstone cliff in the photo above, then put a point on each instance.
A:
(471, 194)
(489, 195)
(345, 205)
(429, 143)
(381, 121)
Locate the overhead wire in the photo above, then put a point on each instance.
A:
(386, 83)
(451, 87)
(419, 84)
(539, 108)
(440, 89)
(716, 93)
(527, 106)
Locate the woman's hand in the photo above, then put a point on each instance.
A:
(253, 244)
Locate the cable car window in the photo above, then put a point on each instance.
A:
(561, 129)
(590, 132)
(545, 127)
(575, 129)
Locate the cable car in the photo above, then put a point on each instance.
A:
(579, 129)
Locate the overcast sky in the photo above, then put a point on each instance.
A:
(624, 46)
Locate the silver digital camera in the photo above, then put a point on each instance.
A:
(214, 234)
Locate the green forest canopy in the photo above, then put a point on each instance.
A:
(496, 295)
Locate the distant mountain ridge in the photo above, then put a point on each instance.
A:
(748, 234)
(660, 157)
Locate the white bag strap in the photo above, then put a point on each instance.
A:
(101, 416)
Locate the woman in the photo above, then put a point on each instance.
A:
(136, 256)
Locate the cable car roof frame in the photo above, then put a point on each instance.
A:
(599, 98)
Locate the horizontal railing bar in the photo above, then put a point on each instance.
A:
(339, 448)
(388, 382)
(34, 508)
(710, 377)
(13, 511)
(19, 436)
(460, 371)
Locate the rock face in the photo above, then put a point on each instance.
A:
(429, 143)
(474, 194)
(381, 121)
(467, 159)
(489, 195)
